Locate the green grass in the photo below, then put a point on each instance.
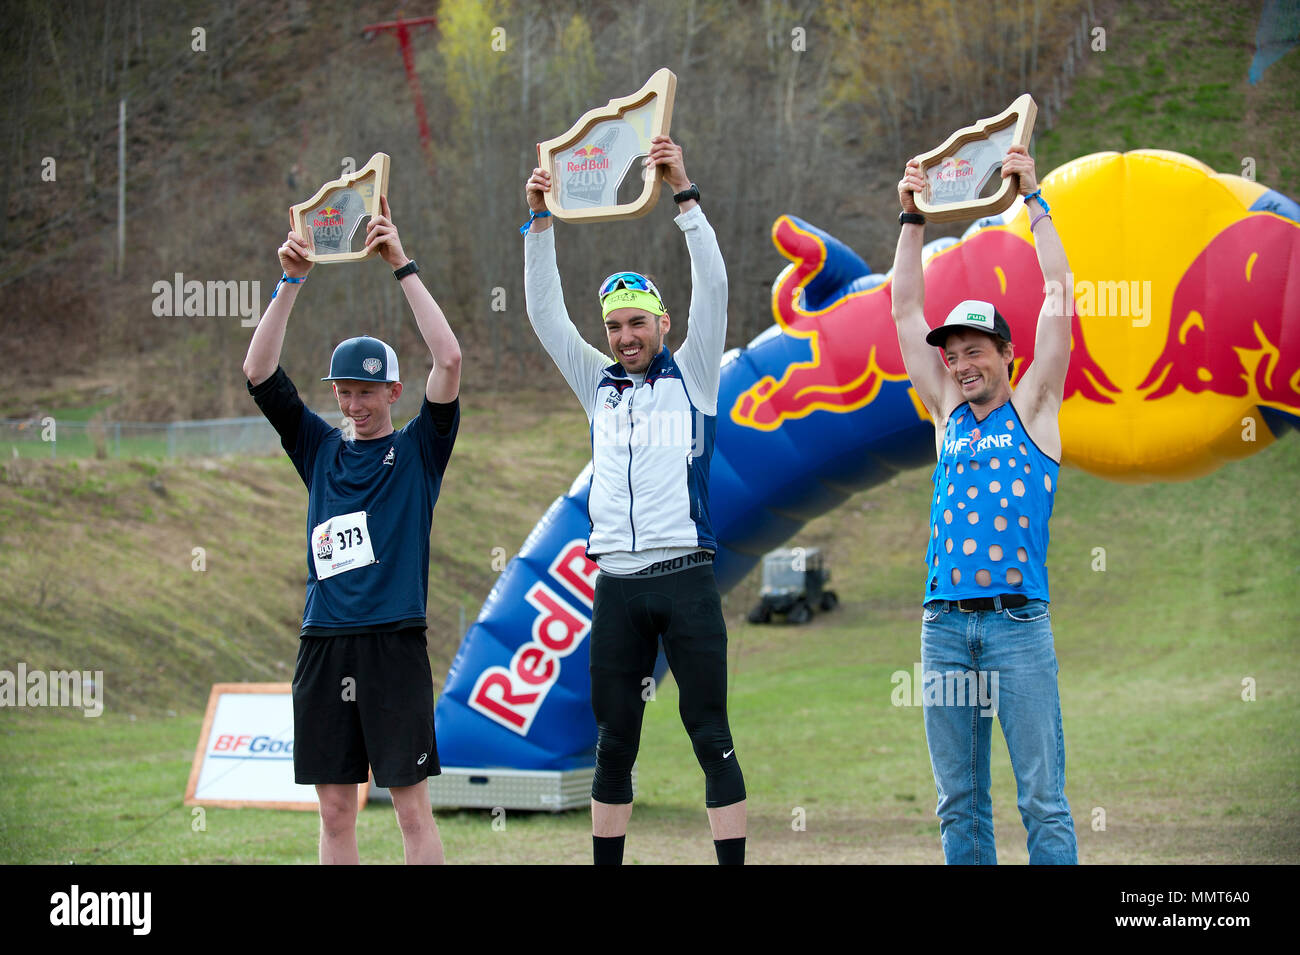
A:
(1197, 595)
(1173, 76)
(83, 444)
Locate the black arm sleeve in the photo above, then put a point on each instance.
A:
(444, 415)
(278, 399)
(435, 429)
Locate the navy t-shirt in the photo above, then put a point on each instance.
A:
(394, 479)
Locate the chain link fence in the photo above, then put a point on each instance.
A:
(50, 437)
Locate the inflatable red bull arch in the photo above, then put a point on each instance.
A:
(1186, 339)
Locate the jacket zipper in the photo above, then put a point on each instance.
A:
(630, 425)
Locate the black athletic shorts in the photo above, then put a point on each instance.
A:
(632, 614)
(364, 701)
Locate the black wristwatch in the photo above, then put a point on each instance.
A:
(686, 194)
(410, 268)
(911, 218)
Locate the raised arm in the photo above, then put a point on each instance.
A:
(1039, 393)
(706, 333)
(925, 368)
(443, 384)
(580, 362)
(268, 337)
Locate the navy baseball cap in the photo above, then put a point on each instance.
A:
(972, 313)
(363, 359)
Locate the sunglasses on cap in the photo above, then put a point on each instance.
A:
(634, 281)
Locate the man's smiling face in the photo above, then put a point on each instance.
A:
(368, 404)
(635, 337)
(977, 364)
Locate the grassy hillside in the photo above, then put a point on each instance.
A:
(1173, 76)
(1197, 596)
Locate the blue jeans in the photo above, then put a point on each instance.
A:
(1008, 657)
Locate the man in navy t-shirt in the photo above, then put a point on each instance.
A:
(362, 688)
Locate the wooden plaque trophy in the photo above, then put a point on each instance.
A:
(588, 162)
(969, 162)
(333, 214)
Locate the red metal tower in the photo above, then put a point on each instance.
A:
(402, 27)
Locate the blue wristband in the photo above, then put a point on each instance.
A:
(284, 277)
(523, 229)
(1038, 194)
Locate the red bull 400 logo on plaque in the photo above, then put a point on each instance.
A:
(586, 172)
(333, 225)
(330, 218)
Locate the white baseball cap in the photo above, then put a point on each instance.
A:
(972, 313)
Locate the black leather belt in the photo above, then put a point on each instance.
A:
(973, 604)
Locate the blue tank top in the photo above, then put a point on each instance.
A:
(993, 494)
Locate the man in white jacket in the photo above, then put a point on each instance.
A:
(653, 417)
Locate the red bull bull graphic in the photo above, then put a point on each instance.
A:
(1257, 357)
(854, 348)
(818, 406)
(1217, 340)
(836, 377)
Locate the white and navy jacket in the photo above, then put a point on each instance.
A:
(651, 435)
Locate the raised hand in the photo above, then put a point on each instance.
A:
(382, 237)
(911, 183)
(539, 183)
(664, 152)
(293, 255)
(1018, 162)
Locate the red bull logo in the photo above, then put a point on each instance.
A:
(954, 169)
(999, 266)
(512, 696)
(587, 158)
(953, 180)
(327, 216)
(1228, 329)
(854, 342)
(854, 348)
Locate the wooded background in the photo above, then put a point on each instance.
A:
(782, 107)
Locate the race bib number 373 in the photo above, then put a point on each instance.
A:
(341, 544)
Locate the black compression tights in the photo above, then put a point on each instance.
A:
(629, 617)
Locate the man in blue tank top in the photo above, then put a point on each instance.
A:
(986, 636)
(362, 687)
